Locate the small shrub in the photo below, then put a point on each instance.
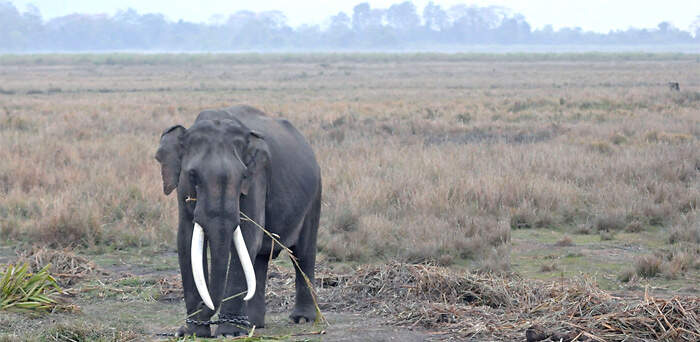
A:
(445, 260)
(618, 139)
(627, 275)
(658, 214)
(337, 135)
(565, 241)
(22, 290)
(675, 138)
(497, 261)
(464, 118)
(686, 98)
(600, 147)
(347, 221)
(634, 227)
(549, 267)
(684, 233)
(651, 136)
(69, 228)
(679, 262)
(16, 123)
(668, 138)
(584, 229)
(648, 266)
(607, 235)
(609, 222)
(523, 219)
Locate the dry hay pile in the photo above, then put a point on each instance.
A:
(472, 305)
(66, 266)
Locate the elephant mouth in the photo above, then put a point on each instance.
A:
(197, 254)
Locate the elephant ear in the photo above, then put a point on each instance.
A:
(255, 158)
(169, 155)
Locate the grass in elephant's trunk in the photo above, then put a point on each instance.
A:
(320, 319)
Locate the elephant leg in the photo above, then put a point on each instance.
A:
(233, 306)
(256, 306)
(197, 312)
(305, 251)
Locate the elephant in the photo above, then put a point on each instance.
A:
(230, 161)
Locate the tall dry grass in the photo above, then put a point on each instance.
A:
(423, 160)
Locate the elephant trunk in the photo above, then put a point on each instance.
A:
(220, 248)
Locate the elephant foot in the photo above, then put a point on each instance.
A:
(257, 321)
(230, 330)
(232, 326)
(194, 330)
(303, 315)
(257, 316)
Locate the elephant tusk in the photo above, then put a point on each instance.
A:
(245, 262)
(196, 256)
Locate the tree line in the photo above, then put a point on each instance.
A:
(400, 26)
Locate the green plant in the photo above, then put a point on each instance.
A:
(25, 291)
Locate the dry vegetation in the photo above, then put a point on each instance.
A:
(427, 158)
(422, 160)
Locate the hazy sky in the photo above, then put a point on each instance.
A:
(594, 15)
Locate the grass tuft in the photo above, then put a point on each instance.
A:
(21, 290)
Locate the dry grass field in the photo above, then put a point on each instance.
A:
(548, 166)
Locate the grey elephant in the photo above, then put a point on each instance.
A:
(240, 159)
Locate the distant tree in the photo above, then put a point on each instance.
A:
(514, 29)
(471, 24)
(397, 26)
(12, 33)
(403, 17)
(254, 30)
(361, 17)
(339, 32)
(695, 28)
(434, 17)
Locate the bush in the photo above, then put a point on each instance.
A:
(22, 290)
(648, 266)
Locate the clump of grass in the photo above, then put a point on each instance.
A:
(22, 290)
(565, 241)
(347, 221)
(628, 275)
(549, 267)
(69, 227)
(523, 219)
(648, 266)
(464, 118)
(609, 222)
(618, 139)
(600, 147)
(607, 235)
(686, 230)
(634, 227)
(84, 332)
(668, 138)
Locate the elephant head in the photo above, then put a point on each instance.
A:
(214, 164)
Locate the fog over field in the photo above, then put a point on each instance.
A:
(448, 26)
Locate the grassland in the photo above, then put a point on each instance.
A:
(546, 165)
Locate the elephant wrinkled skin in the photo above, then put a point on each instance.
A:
(231, 160)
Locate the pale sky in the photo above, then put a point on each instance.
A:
(591, 15)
